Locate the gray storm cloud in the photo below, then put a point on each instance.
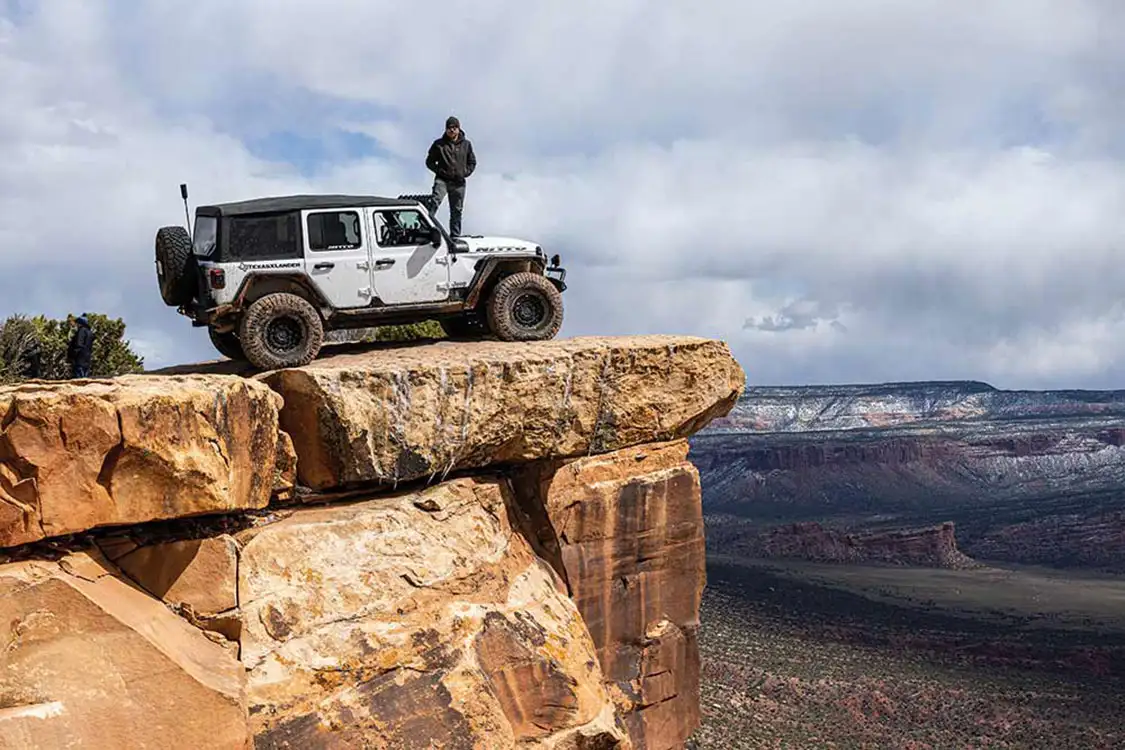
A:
(845, 190)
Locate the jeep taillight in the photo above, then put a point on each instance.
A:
(217, 278)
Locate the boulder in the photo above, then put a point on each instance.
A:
(419, 618)
(90, 661)
(196, 577)
(76, 456)
(392, 415)
(625, 530)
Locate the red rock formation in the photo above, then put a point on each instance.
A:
(90, 661)
(625, 530)
(1091, 540)
(1029, 477)
(931, 547)
(550, 602)
(132, 450)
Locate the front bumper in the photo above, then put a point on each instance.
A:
(557, 275)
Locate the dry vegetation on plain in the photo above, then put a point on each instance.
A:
(821, 656)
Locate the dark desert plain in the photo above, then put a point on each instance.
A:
(914, 566)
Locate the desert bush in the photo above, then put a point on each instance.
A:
(19, 335)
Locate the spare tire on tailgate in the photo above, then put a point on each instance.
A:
(175, 266)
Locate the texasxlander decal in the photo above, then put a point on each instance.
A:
(244, 266)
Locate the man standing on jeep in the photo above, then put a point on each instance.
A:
(452, 161)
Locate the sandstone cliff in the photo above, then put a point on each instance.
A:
(451, 545)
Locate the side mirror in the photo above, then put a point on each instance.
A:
(435, 236)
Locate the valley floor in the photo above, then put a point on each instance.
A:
(800, 655)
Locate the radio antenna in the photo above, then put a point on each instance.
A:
(187, 214)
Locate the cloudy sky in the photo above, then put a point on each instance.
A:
(843, 190)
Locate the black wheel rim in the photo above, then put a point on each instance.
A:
(284, 334)
(529, 310)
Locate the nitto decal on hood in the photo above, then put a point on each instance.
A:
(479, 244)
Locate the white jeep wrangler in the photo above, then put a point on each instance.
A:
(268, 277)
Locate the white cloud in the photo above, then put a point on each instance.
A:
(886, 190)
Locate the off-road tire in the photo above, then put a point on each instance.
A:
(175, 266)
(227, 344)
(464, 327)
(280, 330)
(525, 307)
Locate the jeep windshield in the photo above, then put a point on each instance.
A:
(205, 234)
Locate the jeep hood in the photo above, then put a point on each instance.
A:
(478, 244)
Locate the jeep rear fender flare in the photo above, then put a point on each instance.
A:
(490, 270)
(257, 285)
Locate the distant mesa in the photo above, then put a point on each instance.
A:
(928, 547)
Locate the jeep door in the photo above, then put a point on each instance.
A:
(407, 268)
(337, 256)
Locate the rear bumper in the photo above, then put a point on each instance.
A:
(197, 313)
(202, 316)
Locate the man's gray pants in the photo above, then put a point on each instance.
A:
(456, 195)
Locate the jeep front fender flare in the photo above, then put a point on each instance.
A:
(491, 270)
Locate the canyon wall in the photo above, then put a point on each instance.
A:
(458, 545)
(1025, 476)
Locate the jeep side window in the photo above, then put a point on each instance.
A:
(206, 232)
(262, 237)
(334, 230)
(404, 228)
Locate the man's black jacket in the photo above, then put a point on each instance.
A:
(452, 161)
(81, 347)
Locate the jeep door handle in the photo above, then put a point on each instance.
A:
(384, 262)
(325, 265)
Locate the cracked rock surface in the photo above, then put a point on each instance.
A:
(90, 661)
(422, 615)
(394, 415)
(75, 457)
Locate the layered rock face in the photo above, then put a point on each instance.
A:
(930, 547)
(131, 450)
(626, 532)
(546, 594)
(1027, 477)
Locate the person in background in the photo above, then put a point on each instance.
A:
(31, 359)
(452, 161)
(80, 352)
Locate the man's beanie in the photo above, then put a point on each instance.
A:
(452, 122)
